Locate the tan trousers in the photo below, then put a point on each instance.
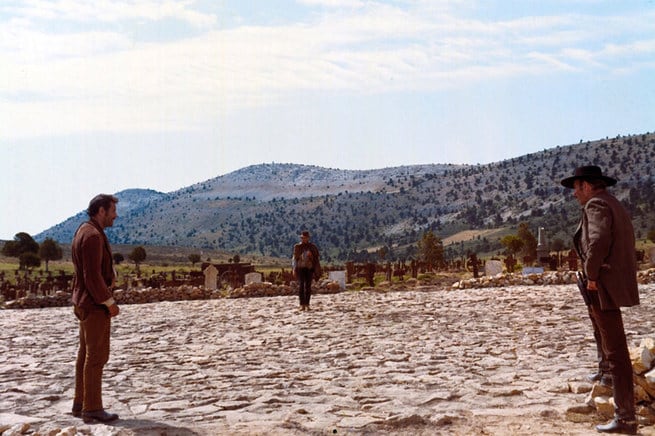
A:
(92, 355)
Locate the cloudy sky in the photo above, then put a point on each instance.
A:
(107, 95)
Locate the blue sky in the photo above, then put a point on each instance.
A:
(113, 94)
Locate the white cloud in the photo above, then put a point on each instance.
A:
(111, 11)
(24, 43)
(62, 83)
(333, 3)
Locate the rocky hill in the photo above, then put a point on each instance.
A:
(259, 210)
(130, 200)
(267, 182)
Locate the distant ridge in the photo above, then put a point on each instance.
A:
(130, 200)
(285, 180)
(259, 209)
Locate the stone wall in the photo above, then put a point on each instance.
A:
(546, 278)
(176, 293)
(266, 289)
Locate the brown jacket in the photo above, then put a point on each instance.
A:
(605, 242)
(94, 270)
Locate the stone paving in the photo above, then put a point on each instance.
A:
(477, 361)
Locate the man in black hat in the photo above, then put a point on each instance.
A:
(605, 242)
(306, 266)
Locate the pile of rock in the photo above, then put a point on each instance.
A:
(266, 289)
(262, 289)
(59, 299)
(646, 276)
(177, 293)
(643, 364)
(132, 296)
(153, 295)
(546, 278)
(503, 280)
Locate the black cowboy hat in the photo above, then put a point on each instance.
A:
(589, 172)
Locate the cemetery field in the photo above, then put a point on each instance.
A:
(7, 267)
(159, 259)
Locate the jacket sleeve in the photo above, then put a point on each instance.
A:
(94, 282)
(293, 257)
(599, 236)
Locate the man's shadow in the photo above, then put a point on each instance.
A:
(147, 427)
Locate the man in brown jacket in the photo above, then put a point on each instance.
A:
(605, 242)
(94, 306)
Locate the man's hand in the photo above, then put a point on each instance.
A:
(113, 310)
(592, 285)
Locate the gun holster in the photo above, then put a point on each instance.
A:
(582, 286)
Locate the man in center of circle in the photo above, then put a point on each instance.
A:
(306, 266)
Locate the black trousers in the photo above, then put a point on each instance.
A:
(615, 350)
(304, 276)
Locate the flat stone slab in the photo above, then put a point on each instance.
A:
(477, 361)
(11, 419)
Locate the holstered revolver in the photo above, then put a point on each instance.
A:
(582, 286)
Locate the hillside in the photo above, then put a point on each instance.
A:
(267, 182)
(259, 210)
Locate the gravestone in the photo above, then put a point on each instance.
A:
(339, 277)
(253, 277)
(211, 276)
(533, 270)
(493, 267)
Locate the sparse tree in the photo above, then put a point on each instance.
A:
(431, 250)
(529, 250)
(29, 260)
(118, 258)
(194, 258)
(512, 244)
(137, 256)
(23, 243)
(49, 250)
(558, 245)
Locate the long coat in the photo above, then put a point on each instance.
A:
(94, 271)
(605, 242)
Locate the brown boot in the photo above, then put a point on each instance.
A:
(77, 410)
(98, 416)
